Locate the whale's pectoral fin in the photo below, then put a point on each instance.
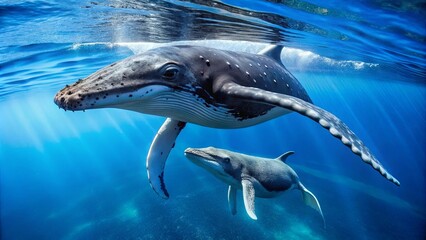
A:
(310, 200)
(249, 195)
(232, 199)
(160, 148)
(333, 124)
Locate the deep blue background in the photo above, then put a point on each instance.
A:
(82, 175)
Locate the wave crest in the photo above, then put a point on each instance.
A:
(292, 58)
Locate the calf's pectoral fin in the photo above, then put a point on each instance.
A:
(160, 148)
(327, 120)
(232, 199)
(249, 195)
(310, 200)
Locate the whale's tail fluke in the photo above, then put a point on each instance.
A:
(310, 200)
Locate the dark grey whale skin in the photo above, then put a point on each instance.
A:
(213, 68)
(203, 73)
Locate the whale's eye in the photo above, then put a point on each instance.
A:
(227, 159)
(170, 72)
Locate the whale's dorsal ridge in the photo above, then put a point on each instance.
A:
(272, 51)
(284, 156)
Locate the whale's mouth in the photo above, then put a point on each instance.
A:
(79, 99)
(133, 79)
(196, 153)
(205, 161)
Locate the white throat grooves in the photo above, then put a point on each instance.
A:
(187, 107)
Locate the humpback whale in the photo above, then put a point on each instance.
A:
(204, 86)
(254, 176)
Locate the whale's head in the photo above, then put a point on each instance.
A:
(128, 83)
(223, 164)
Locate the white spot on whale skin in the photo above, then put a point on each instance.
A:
(366, 158)
(334, 132)
(299, 107)
(286, 102)
(313, 114)
(324, 123)
(355, 149)
(345, 140)
(383, 171)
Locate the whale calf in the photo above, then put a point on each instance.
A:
(204, 86)
(254, 176)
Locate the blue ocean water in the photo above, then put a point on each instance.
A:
(81, 175)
